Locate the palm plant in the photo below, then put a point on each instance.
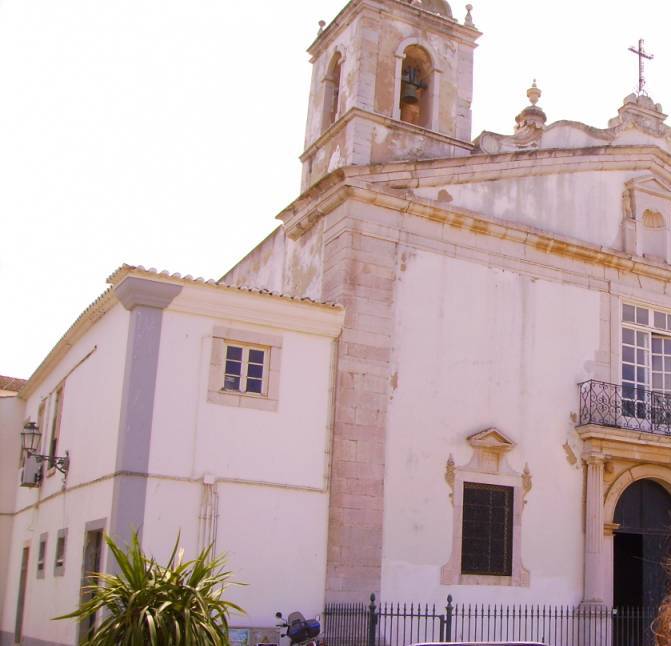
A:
(147, 603)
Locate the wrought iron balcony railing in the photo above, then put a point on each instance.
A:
(629, 407)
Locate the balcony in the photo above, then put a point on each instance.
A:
(627, 407)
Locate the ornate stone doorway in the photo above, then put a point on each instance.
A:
(641, 544)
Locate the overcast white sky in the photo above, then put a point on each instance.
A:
(166, 132)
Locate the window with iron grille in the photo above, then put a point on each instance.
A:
(487, 532)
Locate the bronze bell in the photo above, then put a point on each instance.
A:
(409, 94)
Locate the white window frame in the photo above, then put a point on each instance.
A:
(651, 330)
(244, 368)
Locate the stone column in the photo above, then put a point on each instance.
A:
(146, 300)
(594, 540)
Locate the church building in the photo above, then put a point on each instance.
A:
(447, 371)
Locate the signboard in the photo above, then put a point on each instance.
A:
(239, 636)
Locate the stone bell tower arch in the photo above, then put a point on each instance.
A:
(392, 80)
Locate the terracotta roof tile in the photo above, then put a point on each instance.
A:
(119, 273)
(11, 384)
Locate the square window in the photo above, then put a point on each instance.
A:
(487, 532)
(245, 369)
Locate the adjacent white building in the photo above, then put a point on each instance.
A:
(487, 412)
(134, 393)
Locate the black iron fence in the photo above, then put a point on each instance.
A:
(393, 624)
(625, 406)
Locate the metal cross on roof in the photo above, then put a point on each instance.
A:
(641, 53)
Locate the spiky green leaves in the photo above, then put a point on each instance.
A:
(147, 603)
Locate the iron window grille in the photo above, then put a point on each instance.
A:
(487, 530)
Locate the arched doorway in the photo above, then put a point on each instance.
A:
(641, 545)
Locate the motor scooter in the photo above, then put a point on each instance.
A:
(301, 631)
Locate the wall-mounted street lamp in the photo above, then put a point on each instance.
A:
(30, 441)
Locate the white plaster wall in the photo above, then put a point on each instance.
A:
(271, 467)
(274, 539)
(89, 428)
(54, 595)
(191, 437)
(11, 422)
(91, 404)
(586, 205)
(477, 347)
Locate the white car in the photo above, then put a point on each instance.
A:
(503, 643)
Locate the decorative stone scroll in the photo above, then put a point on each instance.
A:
(530, 123)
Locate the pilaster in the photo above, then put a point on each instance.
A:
(359, 273)
(146, 300)
(594, 531)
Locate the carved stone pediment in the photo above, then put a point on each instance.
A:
(491, 439)
(489, 454)
(651, 185)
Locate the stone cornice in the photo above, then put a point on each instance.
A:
(257, 309)
(486, 167)
(462, 33)
(299, 220)
(384, 120)
(253, 307)
(604, 442)
(134, 292)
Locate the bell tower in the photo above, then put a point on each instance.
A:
(391, 80)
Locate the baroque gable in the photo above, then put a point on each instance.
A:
(639, 121)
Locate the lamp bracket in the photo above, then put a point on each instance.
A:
(60, 463)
